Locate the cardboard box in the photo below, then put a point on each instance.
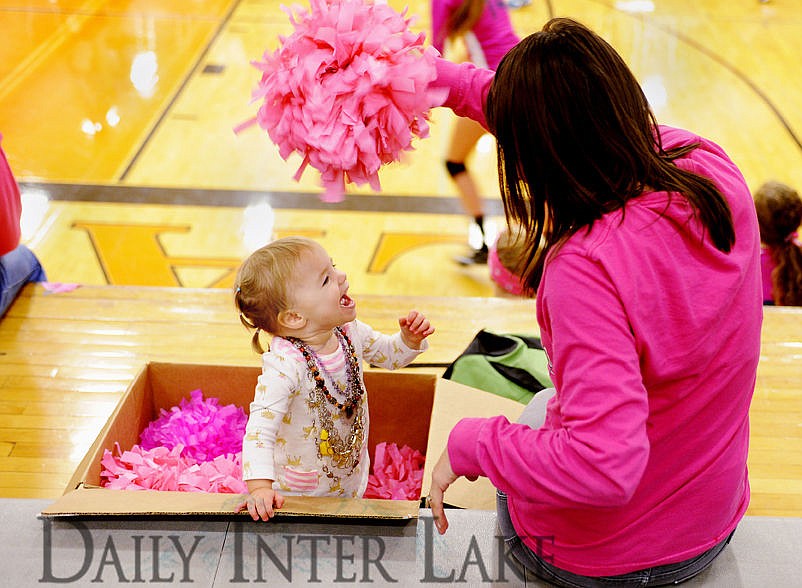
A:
(405, 408)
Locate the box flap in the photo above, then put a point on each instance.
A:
(135, 407)
(452, 402)
(104, 502)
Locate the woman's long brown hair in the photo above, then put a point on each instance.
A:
(576, 139)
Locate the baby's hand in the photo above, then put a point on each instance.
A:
(261, 502)
(414, 329)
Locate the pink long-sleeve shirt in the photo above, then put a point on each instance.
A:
(767, 266)
(653, 337)
(493, 31)
(10, 206)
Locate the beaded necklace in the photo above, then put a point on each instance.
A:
(343, 453)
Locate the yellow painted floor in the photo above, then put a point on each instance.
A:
(117, 118)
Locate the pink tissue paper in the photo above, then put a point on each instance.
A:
(196, 447)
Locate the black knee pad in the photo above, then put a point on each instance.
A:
(454, 168)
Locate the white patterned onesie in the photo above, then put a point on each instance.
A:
(284, 436)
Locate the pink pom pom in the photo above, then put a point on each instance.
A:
(203, 428)
(397, 473)
(348, 91)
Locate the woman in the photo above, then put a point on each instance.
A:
(487, 30)
(649, 307)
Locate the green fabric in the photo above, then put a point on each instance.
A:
(512, 366)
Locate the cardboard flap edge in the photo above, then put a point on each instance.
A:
(478, 495)
(96, 501)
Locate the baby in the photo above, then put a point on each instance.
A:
(779, 215)
(504, 262)
(307, 432)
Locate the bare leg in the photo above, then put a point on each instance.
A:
(464, 136)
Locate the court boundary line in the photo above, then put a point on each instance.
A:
(126, 194)
(180, 90)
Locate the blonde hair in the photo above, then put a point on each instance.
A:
(511, 248)
(779, 215)
(262, 284)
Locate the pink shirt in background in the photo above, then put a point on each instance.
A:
(767, 266)
(10, 206)
(493, 31)
(653, 337)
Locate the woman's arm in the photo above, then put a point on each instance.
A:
(594, 447)
(467, 88)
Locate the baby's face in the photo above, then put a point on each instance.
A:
(320, 291)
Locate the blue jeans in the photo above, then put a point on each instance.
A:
(657, 576)
(17, 268)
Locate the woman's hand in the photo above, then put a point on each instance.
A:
(442, 477)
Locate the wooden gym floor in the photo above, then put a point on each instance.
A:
(117, 118)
